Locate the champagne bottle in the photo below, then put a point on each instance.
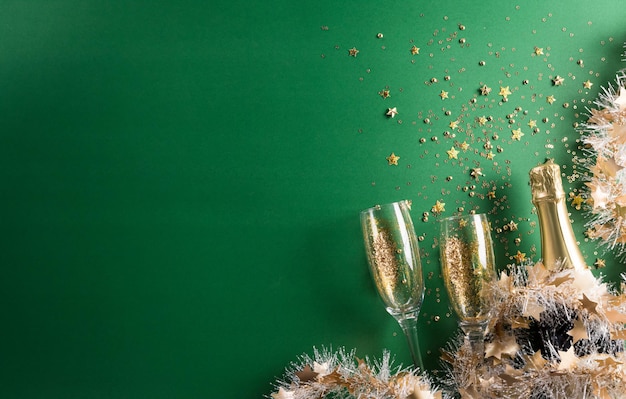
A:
(558, 243)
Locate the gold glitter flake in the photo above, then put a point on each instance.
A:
(393, 159)
(353, 52)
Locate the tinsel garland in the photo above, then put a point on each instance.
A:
(554, 334)
(341, 375)
(604, 147)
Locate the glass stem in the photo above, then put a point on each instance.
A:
(475, 334)
(409, 327)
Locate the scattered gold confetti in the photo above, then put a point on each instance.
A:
(452, 153)
(438, 208)
(532, 123)
(512, 226)
(504, 91)
(577, 201)
(393, 159)
(464, 146)
(587, 84)
(443, 94)
(482, 120)
(392, 112)
(538, 51)
(384, 93)
(558, 80)
(454, 124)
(517, 134)
(353, 52)
(550, 99)
(476, 173)
(415, 50)
(485, 90)
(599, 263)
(520, 257)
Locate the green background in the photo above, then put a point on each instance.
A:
(181, 180)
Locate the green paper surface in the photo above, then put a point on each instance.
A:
(182, 181)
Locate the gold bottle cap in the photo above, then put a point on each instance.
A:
(545, 182)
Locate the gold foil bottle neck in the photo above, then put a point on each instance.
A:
(559, 248)
(545, 182)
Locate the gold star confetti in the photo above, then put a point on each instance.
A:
(476, 173)
(438, 208)
(353, 52)
(392, 112)
(517, 134)
(512, 226)
(558, 80)
(384, 93)
(482, 120)
(491, 194)
(490, 155)
(443, 94)
(599, 263)
(392, 159)
(532, 123)
(452, 153)
(587, 84)
(485, 90)
(415, 50)
(464, 146)
(538, 50)
(504, 91)
(454, 124)
(577, 201)
(590, 233)
(550, 99)
(519, 257)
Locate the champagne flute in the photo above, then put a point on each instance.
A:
(393, 257)
(467, 263)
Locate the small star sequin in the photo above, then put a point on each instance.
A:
(454, 124)
(476, 173)
(519, 257)
(384, 93)
(452, 153)
(550, 99)
(558, 80)
(464, 146)
(538, 50)
(504, 91)
(415, 50)
(392, 112)
(587, 84)
(482, 120)
(490, 155)
(512, 226)
(485, 90)
(577, 201)
(491, 194)
(517, 134)
(353, 52)
(532, 123)
(393, 159)
(443, 94)
(600, 263)
(439, 207)
(590, 233)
